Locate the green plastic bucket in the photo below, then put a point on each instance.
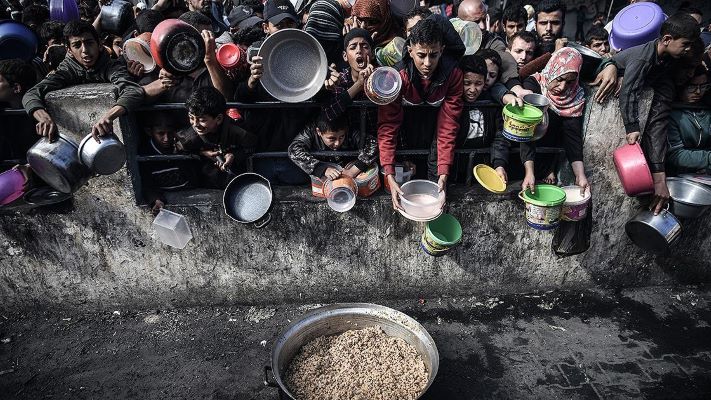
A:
(543, 208)
(441, 235)
(520, 122)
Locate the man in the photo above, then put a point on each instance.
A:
(212, 10)
(514, 21)
(86, 62)
(279, 14)
(550, 20)
(414, 16)
(474, 11)
(522, 47)
(429, 77)
(240, 18)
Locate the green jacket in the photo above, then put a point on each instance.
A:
(689, 139)
(70, 72)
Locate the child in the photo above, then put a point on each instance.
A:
(597, 40)
(158, 177)
(652, 64)
(327, 135)
(472, 129)
(493, 66)
(429, 77)
(223, 145)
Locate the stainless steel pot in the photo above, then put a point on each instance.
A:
(102, 158)
(542, 103)
(248, 199)
(57, 163)
(338, 318)
(689, 199)
(117, 16)
(654, 233)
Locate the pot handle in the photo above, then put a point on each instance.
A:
(267, 373)
(262, 222)
(520, 195)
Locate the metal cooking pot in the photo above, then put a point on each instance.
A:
(295, 65)
(591, 61)
(57, 163)
(177, 47)
(45, 195)
(654, 233)
(542, 103)
(689, 199)
(338, 318)
(248, 198)
(102, 158)
(117, 16)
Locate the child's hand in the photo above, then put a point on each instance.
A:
(529, 182)
(332, 173)
(210, 153)
(225, 165)
(513, 100)
(352, 171)
(334, 76)
(633, 137)
(501, 172)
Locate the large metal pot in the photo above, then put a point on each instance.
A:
(654, 233)
(689, 199)
(117, 16)
(102, 158)
(591, 61)
(542, 103)
(177, 47)
(338, 318)
(248, 199)
(57, 163)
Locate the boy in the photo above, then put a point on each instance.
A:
(162, 176)
(347, 85)
(327, 134)
(493, 65)
(427, 77)
(472, 129)
(86, 62)
(597, 40)
(223, 145)
(652, 64)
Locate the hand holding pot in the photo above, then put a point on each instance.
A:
(168, 80)
(529, 182)
(256, 70)
(607, 79)
(501, 172)
(134, 68)
(210, 47)
(352, 171)
(633, 137)
(332, 173)
(661, 193)
(45, 125)
(395, 191)
(330, 83)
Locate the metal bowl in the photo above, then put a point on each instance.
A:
(57, 163)
(338, 318)
(689, 199)
(102, 158)
(295, 65)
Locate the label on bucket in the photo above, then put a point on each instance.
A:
(542, 216)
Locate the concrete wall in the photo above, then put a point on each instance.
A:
(102, 252)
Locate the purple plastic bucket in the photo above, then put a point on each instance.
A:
(11, 184)
(63, 10)
(636, 24)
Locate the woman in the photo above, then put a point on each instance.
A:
(559, 83)
(374, 16)
(690, 129)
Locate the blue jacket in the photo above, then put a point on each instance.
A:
(689, 139)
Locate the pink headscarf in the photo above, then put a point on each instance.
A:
(572, 102)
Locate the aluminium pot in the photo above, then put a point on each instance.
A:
(177, 47)
(57, 163)
(117, 16)
(248, 199)
(542, 103)
(654, 233)
(591, 61)
(688, 199)
(102, 158)
(338, 318)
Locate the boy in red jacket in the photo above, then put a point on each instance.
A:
(428, 77)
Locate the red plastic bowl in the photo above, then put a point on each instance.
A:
(231, 55)
(633, 170)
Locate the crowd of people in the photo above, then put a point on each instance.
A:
(523, 50)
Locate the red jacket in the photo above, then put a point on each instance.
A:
(445, 91)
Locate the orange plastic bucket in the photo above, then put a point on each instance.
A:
(368, 182)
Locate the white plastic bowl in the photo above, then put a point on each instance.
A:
(421, 198)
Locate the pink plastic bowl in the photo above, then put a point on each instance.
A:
(633, 170)
(11, 183)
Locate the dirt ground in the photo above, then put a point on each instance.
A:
(651, 343)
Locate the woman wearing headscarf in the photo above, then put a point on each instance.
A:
(559, 83)
(375, 17)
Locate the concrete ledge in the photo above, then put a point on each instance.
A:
(103, 253)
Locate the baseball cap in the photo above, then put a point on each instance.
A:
(276, 11)
(242, 17)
